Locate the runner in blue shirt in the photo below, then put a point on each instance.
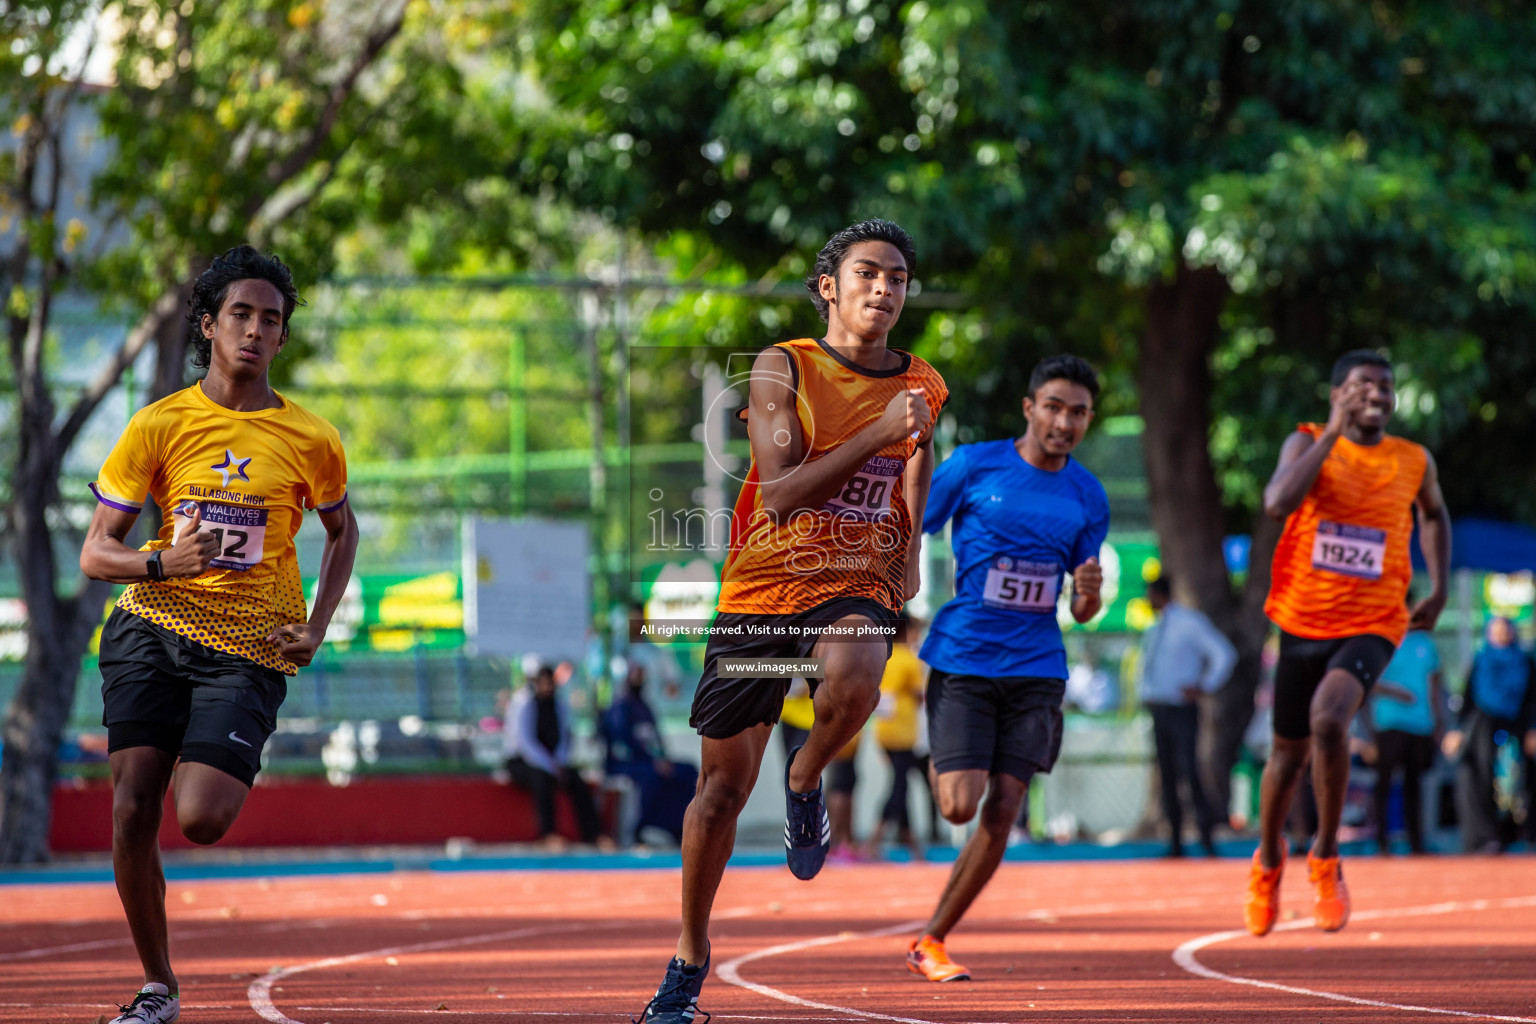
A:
(1025, 515)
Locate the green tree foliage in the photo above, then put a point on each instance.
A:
(265, 121)
(1210, 200)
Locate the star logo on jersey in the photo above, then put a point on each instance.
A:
(232, 467)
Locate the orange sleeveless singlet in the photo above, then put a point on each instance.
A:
(856, 544)
(1342, 566)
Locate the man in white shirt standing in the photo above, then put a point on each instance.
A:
(1182, 656)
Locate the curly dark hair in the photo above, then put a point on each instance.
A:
(241, 263)
(1063, 367)
(1358, 357)
(830, 260)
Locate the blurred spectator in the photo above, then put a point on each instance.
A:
(1498, 708)
(660, 663)
(1405, 717)
(922, 761)
(1183, 656)
(798, 715)
(537, 742)
(896, 721)
(636, 752)
(842, 777)
(1089, 687)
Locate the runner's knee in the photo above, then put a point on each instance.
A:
(720, 798)
(205, 825)
(957, 804)
(136, 809)
(1327, 729)
(1000, 811)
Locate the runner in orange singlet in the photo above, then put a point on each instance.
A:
(1347, 491)
(823, 554)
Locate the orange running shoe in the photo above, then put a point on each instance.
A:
(1263, 904)
(926, 956)
(1331, 911)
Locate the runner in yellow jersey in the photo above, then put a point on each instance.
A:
(823, 554)
(194, 656)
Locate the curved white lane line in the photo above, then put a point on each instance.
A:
(1184, 956)
(259, 992)
(729, 972)
(79, 947)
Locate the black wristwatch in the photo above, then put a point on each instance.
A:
(152, 566)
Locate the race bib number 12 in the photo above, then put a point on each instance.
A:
(1349, 550)
(1022, 586)
(240, 531)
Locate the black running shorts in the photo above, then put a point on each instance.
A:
(1010, 725)
(722, 708)
(160, 689)
(1303, 664)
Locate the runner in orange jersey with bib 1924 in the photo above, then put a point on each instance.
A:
(1348, 492)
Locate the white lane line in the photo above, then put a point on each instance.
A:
(97, 1006)
(554, 1013)
(259, 992)
(1184, 956)
(79, 947)
(730, 972)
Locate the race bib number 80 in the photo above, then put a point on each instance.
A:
(1022, 586)
(867, 494)
(1349, 550)
(240, 531)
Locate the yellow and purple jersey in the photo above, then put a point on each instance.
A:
(253, 475)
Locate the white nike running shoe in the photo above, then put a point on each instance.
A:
(153, 1004)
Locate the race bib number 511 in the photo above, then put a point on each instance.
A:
(240, 531)
(1349, 550)
(1022, 586)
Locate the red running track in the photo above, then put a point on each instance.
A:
(1432, 939)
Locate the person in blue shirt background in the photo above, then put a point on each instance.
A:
(1024, 515)
(1183, 656)
(1405, 715)
(635, 750)
(536, 742)
(1498, 708)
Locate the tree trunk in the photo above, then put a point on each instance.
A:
(58, 630)
(171, 349)
(1232, 705)
(1174, 376)
(1173, 373)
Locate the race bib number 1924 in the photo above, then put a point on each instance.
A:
(240, 531)
(1349, 550)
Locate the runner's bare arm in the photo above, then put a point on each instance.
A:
(298, 641)
(1301, 457)
(1435, 542)
(918, 477)
(106, 556)
(773, 427)
(336, 560)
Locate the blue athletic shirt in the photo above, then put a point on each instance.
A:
(1017, 532)
(1415, 661)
